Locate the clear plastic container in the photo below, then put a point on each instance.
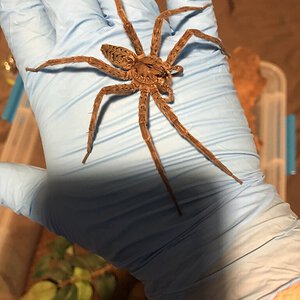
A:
(270, 114)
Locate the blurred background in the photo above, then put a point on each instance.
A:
(269, 29)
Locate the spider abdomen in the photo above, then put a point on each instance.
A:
(119, 56)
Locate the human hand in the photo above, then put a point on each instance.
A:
(118, 194)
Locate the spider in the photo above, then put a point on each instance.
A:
(150, 75)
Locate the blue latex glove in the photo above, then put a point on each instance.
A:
(116, 204)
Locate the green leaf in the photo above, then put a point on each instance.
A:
(42, 267)
(58, 247)
(105, 286)
(84, 290)
(78, 261)
(88, 261)
(94, 261)
(44, 290)
(70, 250)
(81, 274)
(68, 292)
(59, 270)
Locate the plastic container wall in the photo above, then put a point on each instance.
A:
(271, 126)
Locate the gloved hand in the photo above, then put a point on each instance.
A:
(116, 204)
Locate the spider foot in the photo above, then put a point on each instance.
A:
(86, 157)
(32, 69)
(168, 100)
(179, 211)
(176, 70)
(237, 179)
(224, 52)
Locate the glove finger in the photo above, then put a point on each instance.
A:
(203, 20)
(27, 29)
(19, 185)
(141, 13)
(74, 19)
(137, 11)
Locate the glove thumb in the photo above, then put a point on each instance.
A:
(19, 185)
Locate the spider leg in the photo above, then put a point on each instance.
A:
(170, 98)
(184, 39)
(173, 119)
(143, 122)
(119, 89)
(176, 69)
(166, 89)
(156, 35)
(129, 28)
(94, 62)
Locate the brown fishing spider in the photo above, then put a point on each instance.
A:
(148, 74)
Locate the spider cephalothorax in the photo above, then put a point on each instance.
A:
(144, 71)
(151, 76)
(149, 70)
